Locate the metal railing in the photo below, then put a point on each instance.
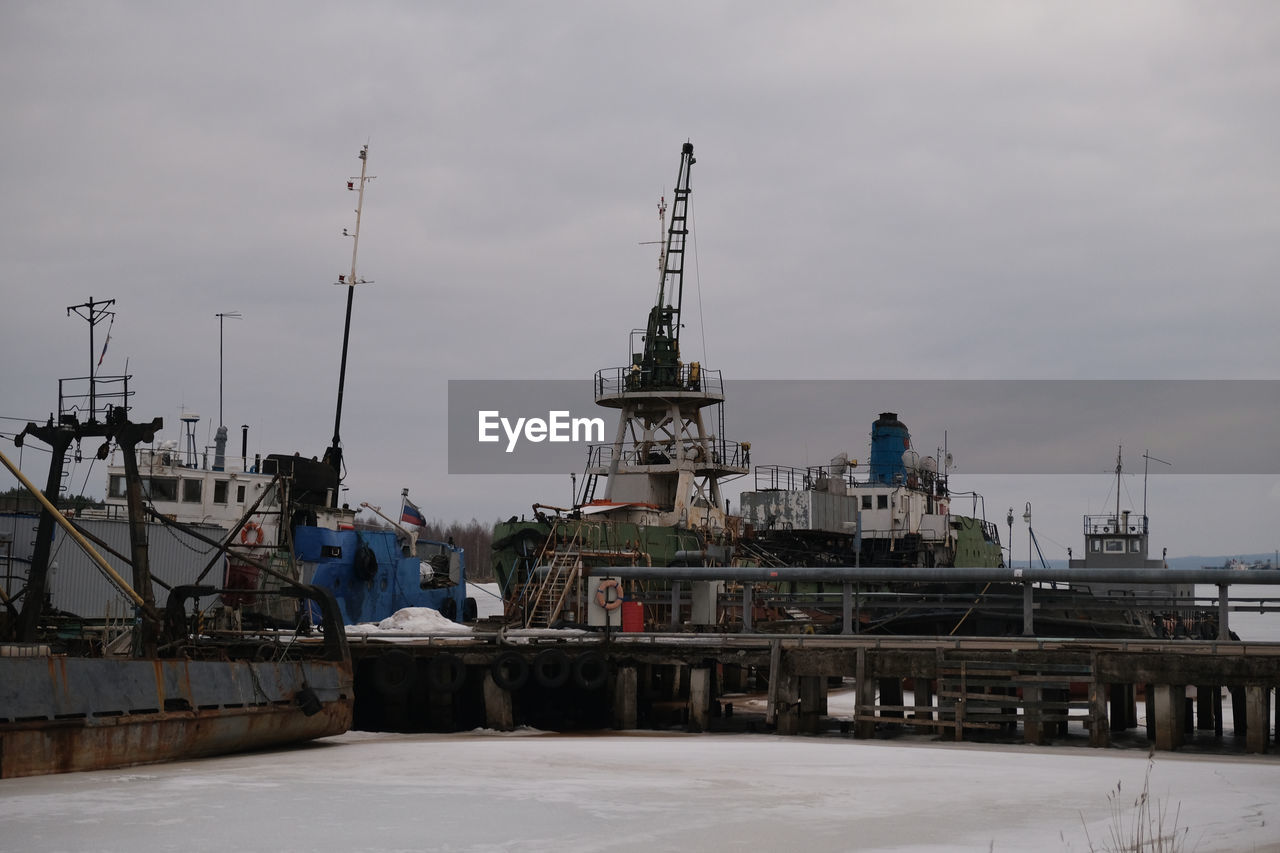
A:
(689, 379)
(715, 452)
(92, 396)
(1099, 524)
(785, 478)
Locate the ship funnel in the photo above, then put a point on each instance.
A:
(889, 441)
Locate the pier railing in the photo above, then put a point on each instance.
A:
(910, 592)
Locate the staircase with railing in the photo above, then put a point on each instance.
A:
(545, 595)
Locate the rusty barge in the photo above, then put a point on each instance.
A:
(81, 696)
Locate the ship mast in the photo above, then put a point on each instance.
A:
(334, 454)
(1118, 468)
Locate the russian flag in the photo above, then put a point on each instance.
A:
(410, 514)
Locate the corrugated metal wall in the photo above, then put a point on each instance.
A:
(78, 586)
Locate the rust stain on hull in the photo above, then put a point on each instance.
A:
(64, 746)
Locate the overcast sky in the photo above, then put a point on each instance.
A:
(883, 191)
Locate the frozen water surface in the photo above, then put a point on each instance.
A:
(530, 791)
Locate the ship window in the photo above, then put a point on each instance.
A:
(219, 491)
(239, 494)
(161, 488)
(1095, 546)
(1115, 546)
(882, 501)
(117, 487)
(866, 501)
(1135, 545)
(191, 490)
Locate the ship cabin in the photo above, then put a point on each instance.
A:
(1115, 542)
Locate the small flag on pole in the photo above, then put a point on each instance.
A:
(410, 514)
(104, 348)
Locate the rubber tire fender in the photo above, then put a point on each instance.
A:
(552, 668)
(394, 673)
(445, 673)
(590, 670)
(510, 670)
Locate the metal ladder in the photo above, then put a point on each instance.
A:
(548, 595)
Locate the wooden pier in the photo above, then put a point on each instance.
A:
(1032, 690)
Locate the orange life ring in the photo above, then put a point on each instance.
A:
(602, 594)
(249, 530)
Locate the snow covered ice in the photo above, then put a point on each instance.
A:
(528, 791)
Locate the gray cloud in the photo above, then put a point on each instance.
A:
(916, 190)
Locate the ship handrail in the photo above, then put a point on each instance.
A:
(691, 378)
(1107, 523)
(723, 453)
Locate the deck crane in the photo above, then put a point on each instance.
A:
(659, 365)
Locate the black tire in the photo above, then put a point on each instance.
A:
(551, 668)
(470, 611)
(445, 673)
(449, 608)
(365, 563)
(394, 673)
(590, 671)
(510, 671)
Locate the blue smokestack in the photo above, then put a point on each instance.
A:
(889, 440)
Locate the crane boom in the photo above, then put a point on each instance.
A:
(661, 359)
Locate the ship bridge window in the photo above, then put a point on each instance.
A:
(1135, 545)
(1095, 546)
(866, 501)
(882, 501)
(219, 491)
(239, 494)
(191, 491)
(160, 488)
(116, 489)
(1114, 546)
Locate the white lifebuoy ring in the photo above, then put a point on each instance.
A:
(602, 594)
(249, 530)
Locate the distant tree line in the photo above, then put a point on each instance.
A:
(472, 537)
(18, 499)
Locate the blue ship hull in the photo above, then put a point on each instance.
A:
(370, 590)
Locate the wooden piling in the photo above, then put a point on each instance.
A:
(813, 703)
(625, 692)
(699, 698)
(1170, 704)
(498, 712)
(1206, 713)
(1257, 700)
(1099, 725)
(864, 706)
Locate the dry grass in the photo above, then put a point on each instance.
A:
(1143, 825)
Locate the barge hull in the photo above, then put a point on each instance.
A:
(60, 714)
